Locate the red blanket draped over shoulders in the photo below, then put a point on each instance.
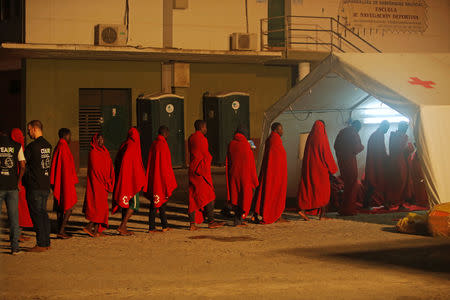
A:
(271, 193)
(348, 145)
(100, 182)
(63, 176)
(201, 189)
(240, 173)
(376, 163)
(399, 187)
(161, 179)
(131, 174)
(24, 213)
(318, 164)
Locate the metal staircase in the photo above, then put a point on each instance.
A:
(308, 33)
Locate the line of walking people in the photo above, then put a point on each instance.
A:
(128, 177)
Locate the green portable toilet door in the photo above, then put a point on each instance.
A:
(172, 115)
(115, 126)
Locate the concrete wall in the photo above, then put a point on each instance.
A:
(52, 88)
(206, 24)
(72, 22)
(435, 39)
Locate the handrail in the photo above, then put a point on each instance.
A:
(285, 38)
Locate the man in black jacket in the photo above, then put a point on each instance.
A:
(37, 183)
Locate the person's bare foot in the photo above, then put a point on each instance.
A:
(193, 227)
(166, 229)
(325, 219)
(124, 232)
(303, 215)
(154, 231)
(63, 236)
(214, 225)
(23, 238)
(38, 249)
(88, 231)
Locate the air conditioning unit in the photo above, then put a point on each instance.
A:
(110, 35)
(244, 41)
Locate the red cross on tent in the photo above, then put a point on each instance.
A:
(425, 84)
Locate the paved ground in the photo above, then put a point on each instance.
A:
(346, 258)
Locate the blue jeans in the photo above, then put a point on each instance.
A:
(11, 198)
(37, 204)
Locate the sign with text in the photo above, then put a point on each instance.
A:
(392, 15)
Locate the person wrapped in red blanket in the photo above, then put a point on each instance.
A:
(376, 164)
(63, 177)
(271, 193)
(241, 176)
(347, 145)
(399, 187)
(201, 189)
(130, 179)
(161, 179)
(100, 182)
(317, 167)
(24, 213)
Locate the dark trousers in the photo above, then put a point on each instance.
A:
(237, 215)
(152, 216)
(208, 213)
(37, 204)
(11, 198)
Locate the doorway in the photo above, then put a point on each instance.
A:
(107, 111)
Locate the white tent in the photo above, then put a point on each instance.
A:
(415, 85)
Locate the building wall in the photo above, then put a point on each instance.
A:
(73, 22)
(435, 39)
(206, 24)
(52, 88)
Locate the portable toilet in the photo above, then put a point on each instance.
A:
(160, 109)
(223, 113)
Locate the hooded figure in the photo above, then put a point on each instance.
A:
(317, 168)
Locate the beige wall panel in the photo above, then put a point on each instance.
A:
(434, 39)
(72, 22)
(52, 88)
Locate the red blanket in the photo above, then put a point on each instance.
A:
(240, 173)
(347, 146)
(24, 213)
(398, 189)
(160, 176)
(131, 177)
(63, 176)
(201, 189)
(318, 164)
(100, 182)
(376, 164)
(271, 193)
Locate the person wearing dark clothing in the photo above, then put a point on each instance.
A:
(37, 183)
(11, 160)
